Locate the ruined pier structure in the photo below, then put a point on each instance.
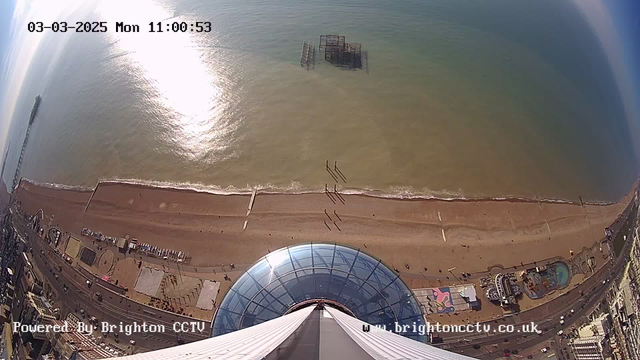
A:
(336, 51)
(308, 55)
(339, 52)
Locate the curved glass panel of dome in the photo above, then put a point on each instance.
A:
(298, 274)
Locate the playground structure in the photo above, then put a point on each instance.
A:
(502, 288)
(448, 299)
(537, 284)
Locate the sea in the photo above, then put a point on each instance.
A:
(456, 99)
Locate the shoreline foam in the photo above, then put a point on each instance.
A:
(404, 194)
(211, 226)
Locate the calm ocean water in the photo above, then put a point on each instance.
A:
(503, 98)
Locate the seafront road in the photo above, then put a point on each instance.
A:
(114, 308)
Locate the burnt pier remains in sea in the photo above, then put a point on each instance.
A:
(337, 51)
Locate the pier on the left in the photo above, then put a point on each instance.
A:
(34, 111)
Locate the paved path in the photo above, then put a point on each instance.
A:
(114, 308)
(583, 299)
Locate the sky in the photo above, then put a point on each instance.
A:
(6, 25)
(616, 29)
(612, 21)
(18, 48)
(628, 11)
(6, 15)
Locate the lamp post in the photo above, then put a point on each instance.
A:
(450, 270)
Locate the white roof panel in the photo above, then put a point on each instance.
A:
(254, 342)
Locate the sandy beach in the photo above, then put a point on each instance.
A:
(479, 234)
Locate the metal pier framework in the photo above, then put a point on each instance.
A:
(308, 55)
(337, 51)
(34, 111)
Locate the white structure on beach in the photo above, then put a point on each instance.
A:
(314, 333)
(315, 301)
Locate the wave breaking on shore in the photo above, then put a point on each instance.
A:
(401, 193)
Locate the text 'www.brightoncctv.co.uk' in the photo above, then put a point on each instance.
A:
(430, 328)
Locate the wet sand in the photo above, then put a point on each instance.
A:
(210, 226)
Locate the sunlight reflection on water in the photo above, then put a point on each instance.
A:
(173, 67)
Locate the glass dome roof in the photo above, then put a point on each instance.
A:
(290, 276)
